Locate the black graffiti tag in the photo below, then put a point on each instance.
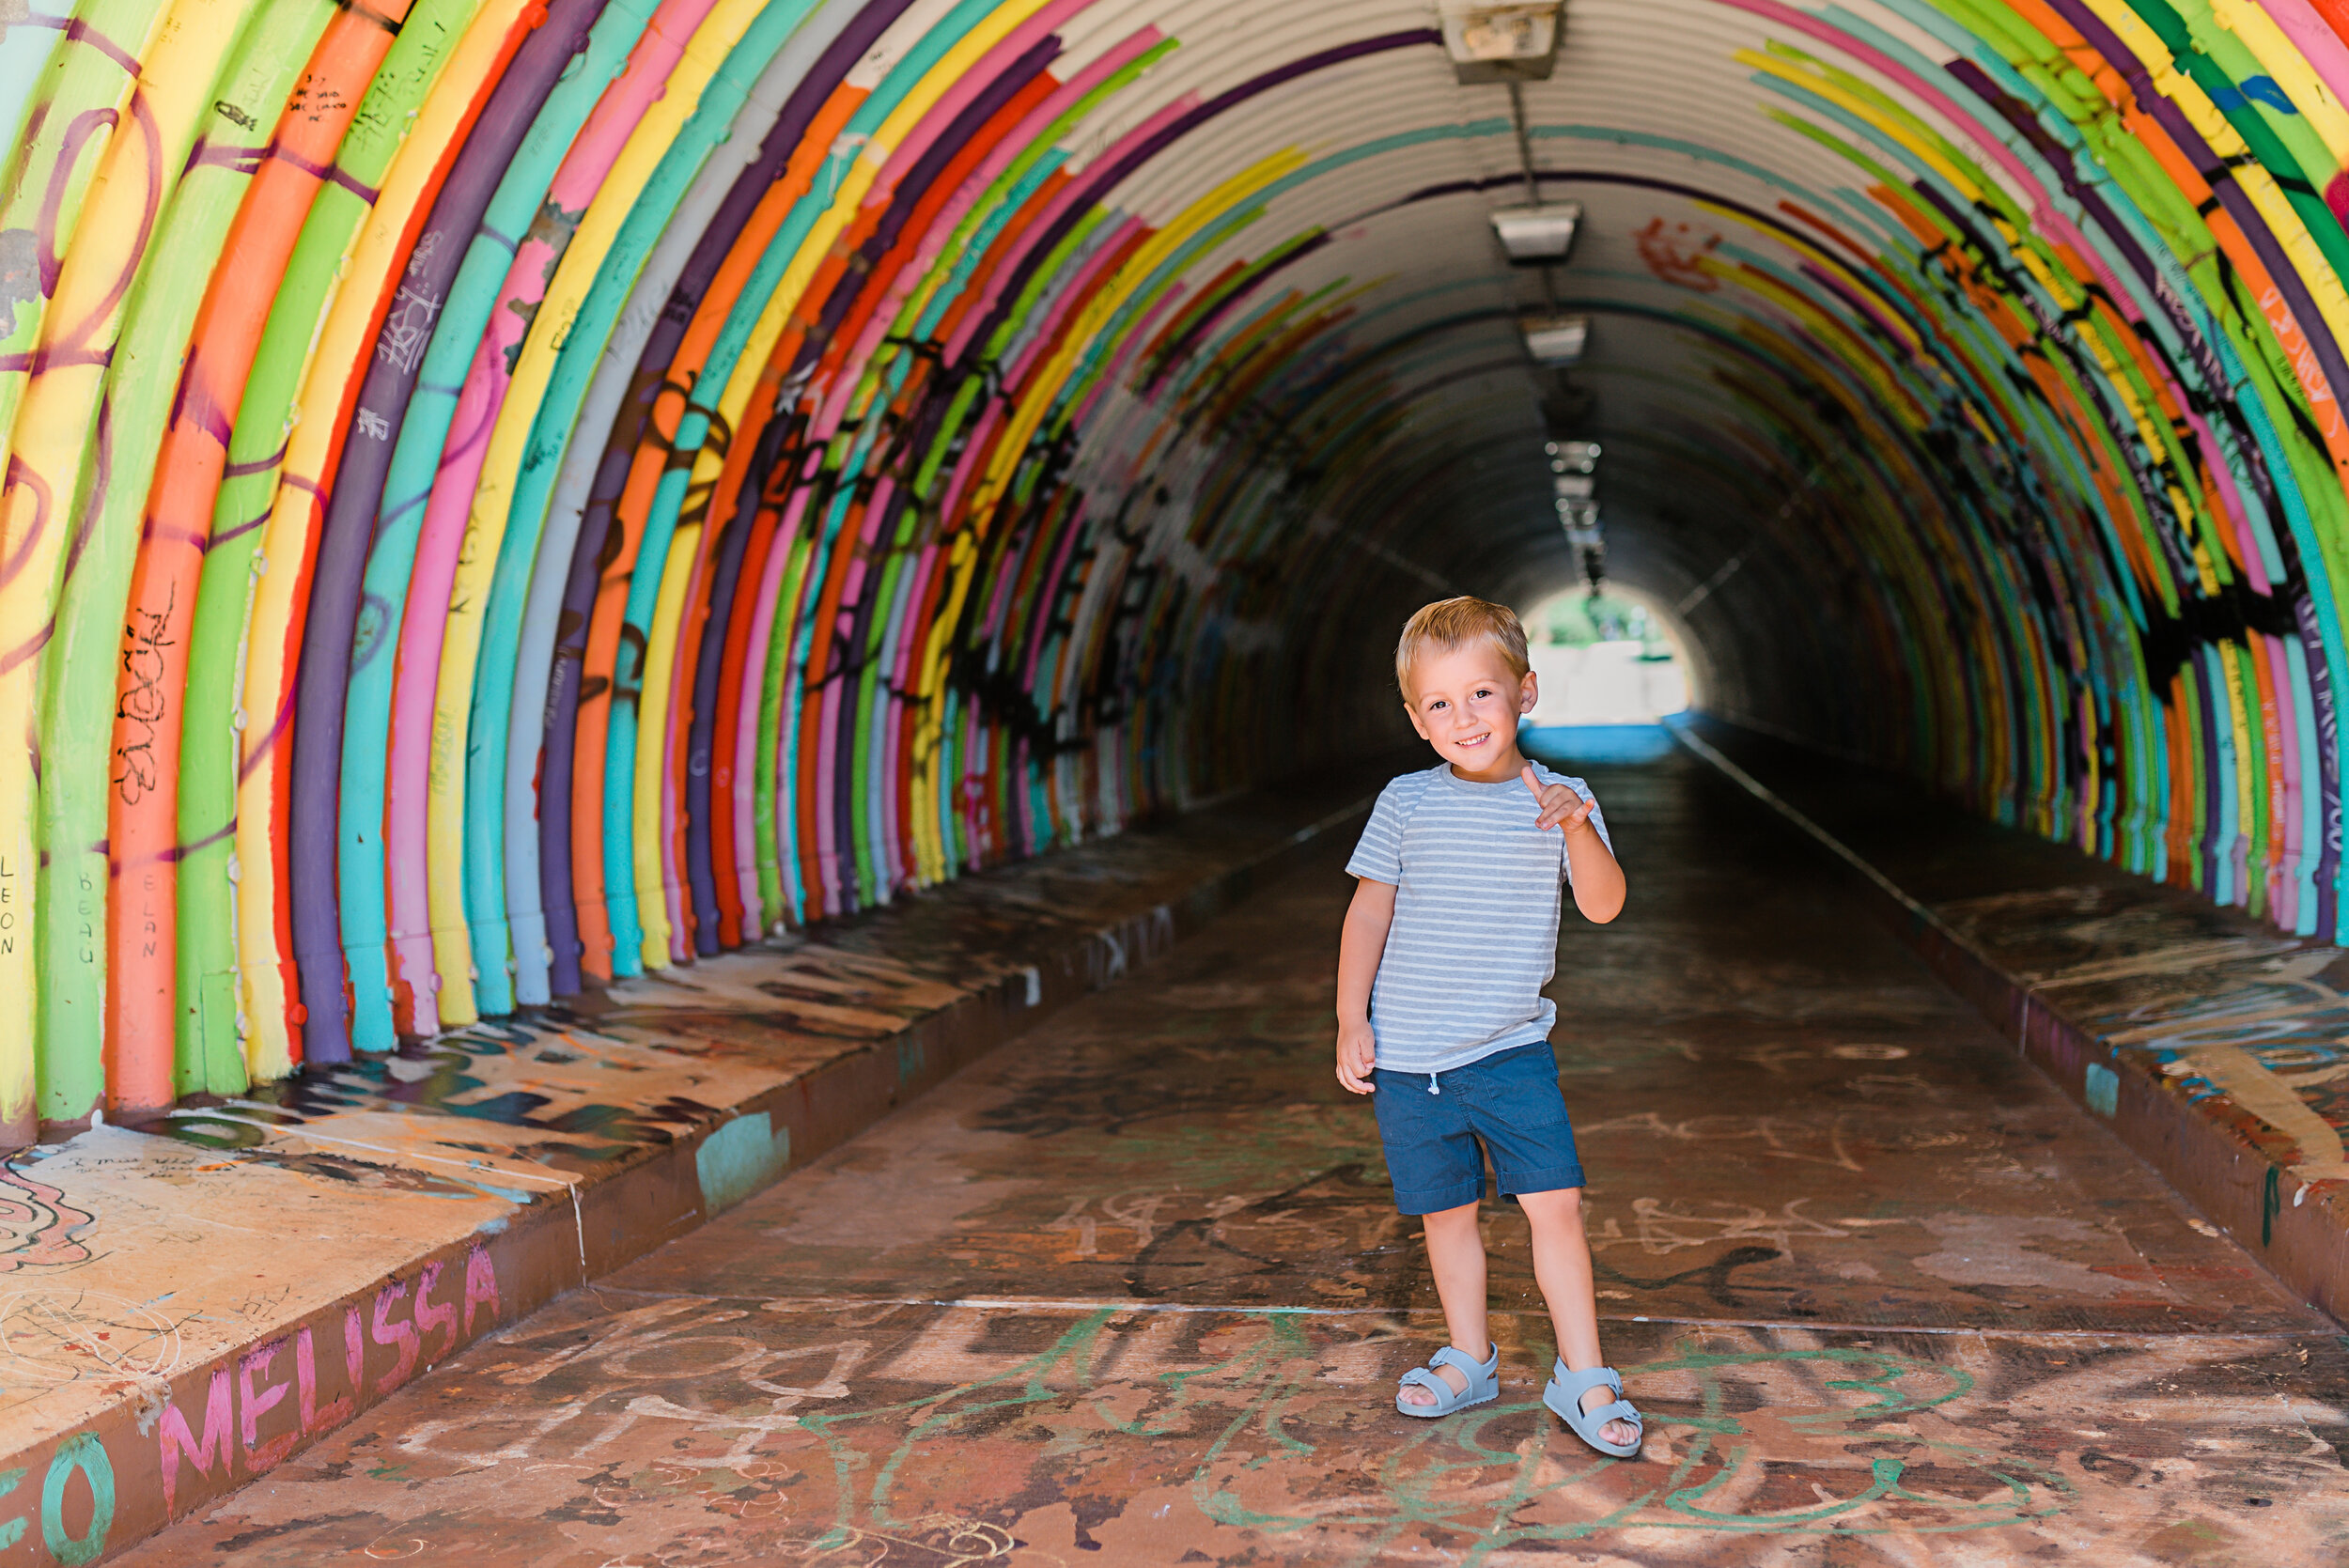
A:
(144, 702)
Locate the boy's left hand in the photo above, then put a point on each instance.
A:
(1561, 807)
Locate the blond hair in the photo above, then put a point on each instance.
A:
(1449, 623)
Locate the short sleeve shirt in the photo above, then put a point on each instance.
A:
(1478, 892)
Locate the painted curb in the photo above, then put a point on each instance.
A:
(169, 1448)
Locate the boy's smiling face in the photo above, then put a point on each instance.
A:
(1465, 702)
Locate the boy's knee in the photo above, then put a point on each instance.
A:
(1563, 1203)
(1459, 1218)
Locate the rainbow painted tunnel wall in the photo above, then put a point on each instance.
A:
(502, 496)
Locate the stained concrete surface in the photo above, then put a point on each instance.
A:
(1131, 1291)
(2213, 1043)
(187, 1301)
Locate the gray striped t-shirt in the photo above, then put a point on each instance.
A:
(1476, 903)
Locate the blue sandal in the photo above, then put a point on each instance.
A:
(1565, 1398)
(1484, 1383)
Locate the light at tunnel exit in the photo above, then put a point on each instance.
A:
(1612, 657)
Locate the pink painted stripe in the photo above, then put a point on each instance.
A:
(1021, 39)
(1061, 306)
(1068, 196)
(2314, 38)
(826, 848)
(425, 623)
(751, 702)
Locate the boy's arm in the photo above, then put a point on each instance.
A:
(1359, 949)
(1599, 885)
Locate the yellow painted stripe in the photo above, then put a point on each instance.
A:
(661, 649)
(2282, 59)
(47, 420)
(492, 500)
(339, 355)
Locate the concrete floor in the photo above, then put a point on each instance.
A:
(1131, 1291)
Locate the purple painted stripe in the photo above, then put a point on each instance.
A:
(329, 174)
(364, 192)
(81, 32)
(259, 465)
(1101, 182)
(349, 525)
(222, 536)
(557, 894)
(238, 158)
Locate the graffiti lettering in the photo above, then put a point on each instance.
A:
(85, 1456)
(144, 701)
(400, 1334)
(37, 1224)
(408, 326)
(1678, 253)
(314, 1416)
(230, 1443)
(178, 1443)
(481, 1287)
(253, 1403)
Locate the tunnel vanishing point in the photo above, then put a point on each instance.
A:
(504, 496)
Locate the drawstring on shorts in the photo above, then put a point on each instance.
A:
(1433, 1087)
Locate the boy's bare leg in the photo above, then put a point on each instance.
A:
(1455, 1254)
(1562, 1266)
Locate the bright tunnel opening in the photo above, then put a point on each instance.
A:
(1606, 657)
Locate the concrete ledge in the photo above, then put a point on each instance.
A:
(2154, 1016)
(185, 1303)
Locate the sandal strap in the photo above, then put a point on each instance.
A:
(1469, 1367)
(1621, 1410)
(1419, 1377)
(1576, 1383)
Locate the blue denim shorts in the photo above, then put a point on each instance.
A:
(1506, 1105)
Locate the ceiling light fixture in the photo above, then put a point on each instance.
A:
(1538, 235)
(1573, 456)
(1555, 339)
(1491, 42)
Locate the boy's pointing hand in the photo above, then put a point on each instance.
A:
(1561, 806)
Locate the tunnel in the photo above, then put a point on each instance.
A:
(511, 500)
(546, 493)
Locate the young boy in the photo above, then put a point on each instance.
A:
(1452, 935)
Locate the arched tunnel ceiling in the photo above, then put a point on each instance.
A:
(505, 495)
